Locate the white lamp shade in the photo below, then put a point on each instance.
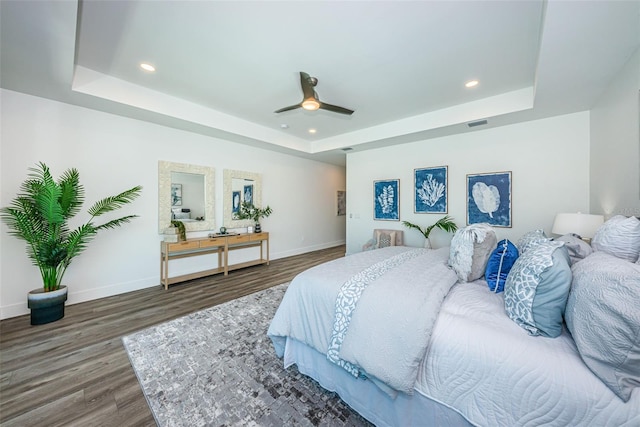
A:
(584, 225)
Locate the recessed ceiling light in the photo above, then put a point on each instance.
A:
(284, 126)
(147, 67)
(312, 130)
(471, 83)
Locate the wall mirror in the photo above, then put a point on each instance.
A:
(240, 186)
(186, 193)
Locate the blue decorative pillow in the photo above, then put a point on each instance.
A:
(537, 288)
(499, 265)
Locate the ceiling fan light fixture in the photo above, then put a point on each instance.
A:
(310, 104)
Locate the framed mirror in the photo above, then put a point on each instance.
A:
(240, 186)
(186, 193)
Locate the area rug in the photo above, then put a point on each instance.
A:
(217, 367)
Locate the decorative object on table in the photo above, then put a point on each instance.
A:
(386, 200)
(584, 225)
(223, 230)
(182, 231)
(40, 216)
(249, 211)
(341, 202)
(250, 229)
(489, 198)
(176, 194)
(430, 190)
(445, 224)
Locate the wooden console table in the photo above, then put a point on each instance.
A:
(211, 245)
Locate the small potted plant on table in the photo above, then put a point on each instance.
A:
(248, 211)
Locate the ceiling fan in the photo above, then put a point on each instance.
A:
(310, 101)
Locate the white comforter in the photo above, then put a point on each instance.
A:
(492, 372)
(388, 332)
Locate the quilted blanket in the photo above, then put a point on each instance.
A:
(372, 312)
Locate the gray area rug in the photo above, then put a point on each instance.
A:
(217, 367)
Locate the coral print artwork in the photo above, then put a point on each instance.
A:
(386, 197)
(489, 199)
(430, 186)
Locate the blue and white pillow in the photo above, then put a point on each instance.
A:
(537, 288)
(500, 263)
(531, 239)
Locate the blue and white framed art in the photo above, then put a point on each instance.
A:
(430, 190)
(235, 205)
(248, 194)
(489, 198)
(386, 200)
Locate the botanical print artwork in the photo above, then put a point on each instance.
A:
(235, 207)
(430, 186)
(489, 199)
(248, 194)
(176, 194)
(386, 200)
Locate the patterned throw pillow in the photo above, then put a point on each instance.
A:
(531, 239)
(603, 318)
(620, 237)
(385, 239)
(500, 263)
(537, 288)
(470, 249)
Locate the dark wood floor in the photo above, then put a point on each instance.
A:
(76, 372)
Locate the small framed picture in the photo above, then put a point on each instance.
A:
(341, 202)
(235, 202)
(176, 194)
(248, 194)
(489, 198)
(430, 190)
(386, 200)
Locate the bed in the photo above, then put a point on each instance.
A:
(450, 354)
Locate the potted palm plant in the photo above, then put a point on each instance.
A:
(40, 215)
(445, 223)
(248, 211)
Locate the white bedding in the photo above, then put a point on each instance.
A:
(494, 373)
(317, 308)
(488, 369)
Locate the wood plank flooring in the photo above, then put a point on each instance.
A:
(75, 372)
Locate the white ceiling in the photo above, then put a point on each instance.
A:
(224, 67)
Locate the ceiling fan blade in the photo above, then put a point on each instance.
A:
(290, 107)
(307, 86)
(335, 109)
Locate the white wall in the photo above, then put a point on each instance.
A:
(615, 145)
(549, 160)
(113, 153)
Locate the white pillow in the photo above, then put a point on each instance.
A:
(620, 237)
(578, 249)
(603, 318)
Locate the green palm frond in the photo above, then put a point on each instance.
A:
(72, 193)
(445, 223)
(109, 204)
(39, 215)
